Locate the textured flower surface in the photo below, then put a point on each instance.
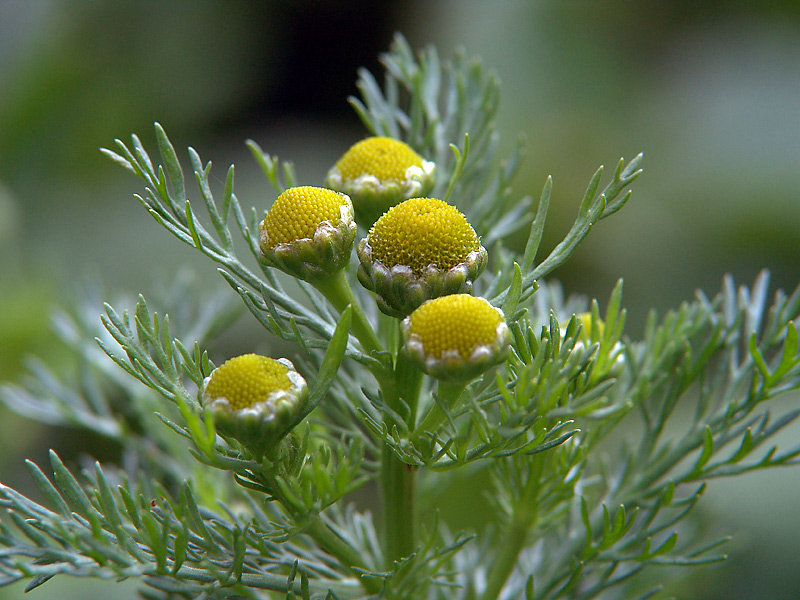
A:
(456, 337)
(421, 232)
(254, 398)
(383, 157)
(379, 172)
(420, 249)
(247, 380)
(308, 232)
(298, 212)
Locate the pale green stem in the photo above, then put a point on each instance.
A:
(344, 553)
(401, 385)
(398, 479)
(516, 533)
(327, 539)
(338, 292)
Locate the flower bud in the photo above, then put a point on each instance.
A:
(254, 399)
(420, 249)
(456, 337)
(308, 232)
(585, 319)
(379, 172)
(614, 364)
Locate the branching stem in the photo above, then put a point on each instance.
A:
(449, 393)
(516, 534)
(338, 292)
(343, 552)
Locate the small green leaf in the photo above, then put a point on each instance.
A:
(173, 166)
(130, 507)
(537, 226)
(789, 359)
(591, 190)
(330, 363)
(47, 489)
(70, 489)
(513, 294)
(154, 534)
(461, 159)
(520, 344)
(668, 545)
(181, 541)
(744, 447)
(31, 532)
(705, 454)
(618, 523)
(587, 524)
(614, 320)
(761, 365)
(190, 223)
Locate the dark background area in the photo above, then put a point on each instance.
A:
(710, 92)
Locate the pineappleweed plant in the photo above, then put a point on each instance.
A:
(427, 356)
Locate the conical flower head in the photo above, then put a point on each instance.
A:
(254, 399)
(420, 249)
(379, 172)
(456, 337)
(308, 232)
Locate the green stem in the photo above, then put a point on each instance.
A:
(408, 382)
(516, 534)
(344, 553)
(400, 519)
(513, 543)
(449, 393)
(338, 292)
(327, 539)
(398, 479)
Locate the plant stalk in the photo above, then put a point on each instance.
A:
(449, 393)
(338, 292)
(399, 510)
(516, 533)
(344, 553)
(398, 479)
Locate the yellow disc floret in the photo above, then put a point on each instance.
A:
(456, 322)
(298, 211)
(382, 157)
(248, 379)
(420, 232)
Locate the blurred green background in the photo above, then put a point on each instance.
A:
(709, 91)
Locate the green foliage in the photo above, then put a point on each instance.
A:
(597, 446)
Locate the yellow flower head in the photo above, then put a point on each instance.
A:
(381, 157)
(420, 232)
(458, 322)
(308, 232)
(298, 212)
(456, 337)
(379, 172)
(247, 380)
(420, 249)
(255, 400)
